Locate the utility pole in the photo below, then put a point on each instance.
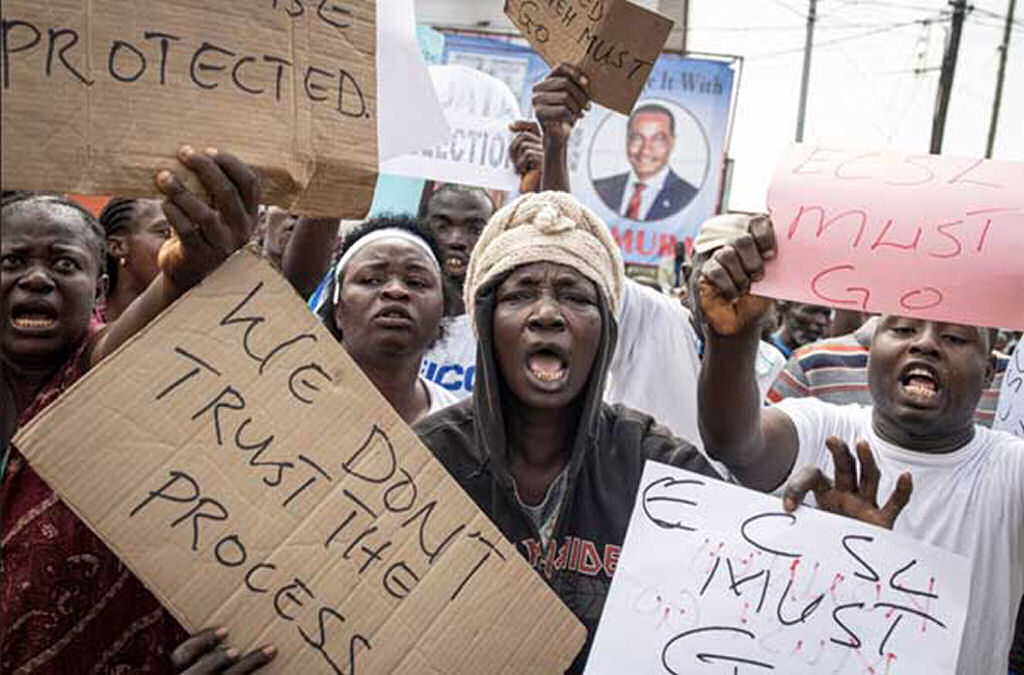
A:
(1003, 49)
(946, 76)
(808, 43)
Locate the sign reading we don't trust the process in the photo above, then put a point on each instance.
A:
(924, 236)
(245, 469)
(98, 94)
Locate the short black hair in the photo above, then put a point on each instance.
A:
(658, 109)
(13, 199)
(459, 189)
(381, 222)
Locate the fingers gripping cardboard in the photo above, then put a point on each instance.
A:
(251, 476)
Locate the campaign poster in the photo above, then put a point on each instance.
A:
(654, 176)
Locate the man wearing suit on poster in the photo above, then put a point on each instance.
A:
(651, 190)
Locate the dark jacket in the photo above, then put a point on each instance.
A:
(603, 474)
(675, 193)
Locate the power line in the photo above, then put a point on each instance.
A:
(789, 8)
(891, 5)
(847, 38)
(757, 29)
(1001, 17)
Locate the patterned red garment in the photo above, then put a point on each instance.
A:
(67, 603)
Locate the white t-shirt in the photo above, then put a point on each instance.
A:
(970, 501)
(656, 362)
(451, 363)
(439, 397)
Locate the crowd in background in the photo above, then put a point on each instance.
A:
(533, 367)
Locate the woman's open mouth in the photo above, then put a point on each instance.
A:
(34, 318)
(548, 365)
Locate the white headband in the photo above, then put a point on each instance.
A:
(377, 235)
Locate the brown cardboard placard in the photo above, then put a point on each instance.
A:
(251, 476)
(614, 42)
(99, 94)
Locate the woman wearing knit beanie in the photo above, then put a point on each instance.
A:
(554, 467)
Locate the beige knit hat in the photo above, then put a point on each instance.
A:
(546, 227)
(719, 230)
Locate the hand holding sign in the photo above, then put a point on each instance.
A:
(849, 496)
(207, 236)
(203, 654)
(713, 578)
(559, 100)
(726, 277)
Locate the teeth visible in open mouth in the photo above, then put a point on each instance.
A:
(547, 367)
(920, 383)
(33, 322)
(454, 262)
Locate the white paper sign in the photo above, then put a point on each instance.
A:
(478, 108)
(717, 579)
(403, 86)
(1010, 415)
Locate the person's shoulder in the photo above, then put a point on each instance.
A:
(637, 295)
(614, 178)
(839, 346)
(455, 418)
(1002, 454)
(655, 441)
(1002, 446)
(440, 398)
(614, 182)
(808, 408)
(674, 180)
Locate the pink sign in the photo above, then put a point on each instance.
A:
(917, 235)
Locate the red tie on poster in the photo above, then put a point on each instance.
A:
(633, 210)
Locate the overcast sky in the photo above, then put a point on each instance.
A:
(864, 91)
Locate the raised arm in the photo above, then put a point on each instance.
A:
(759, 445)
(559, 100)
(206, 236)
(308, 253)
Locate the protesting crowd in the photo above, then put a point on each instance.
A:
(536, 371)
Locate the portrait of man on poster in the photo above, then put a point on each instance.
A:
(650, 190)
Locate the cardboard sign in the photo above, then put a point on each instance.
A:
(98, 95)
(714, 577)
(252, 477)
(923, 236)
(1010, 414)
(614, 42)
(478, 109)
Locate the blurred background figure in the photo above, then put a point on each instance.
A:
(800, 324)
(135, 230)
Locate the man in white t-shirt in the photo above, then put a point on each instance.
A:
(925, 378)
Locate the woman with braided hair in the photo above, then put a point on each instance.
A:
(135, 230)
(67, 603)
